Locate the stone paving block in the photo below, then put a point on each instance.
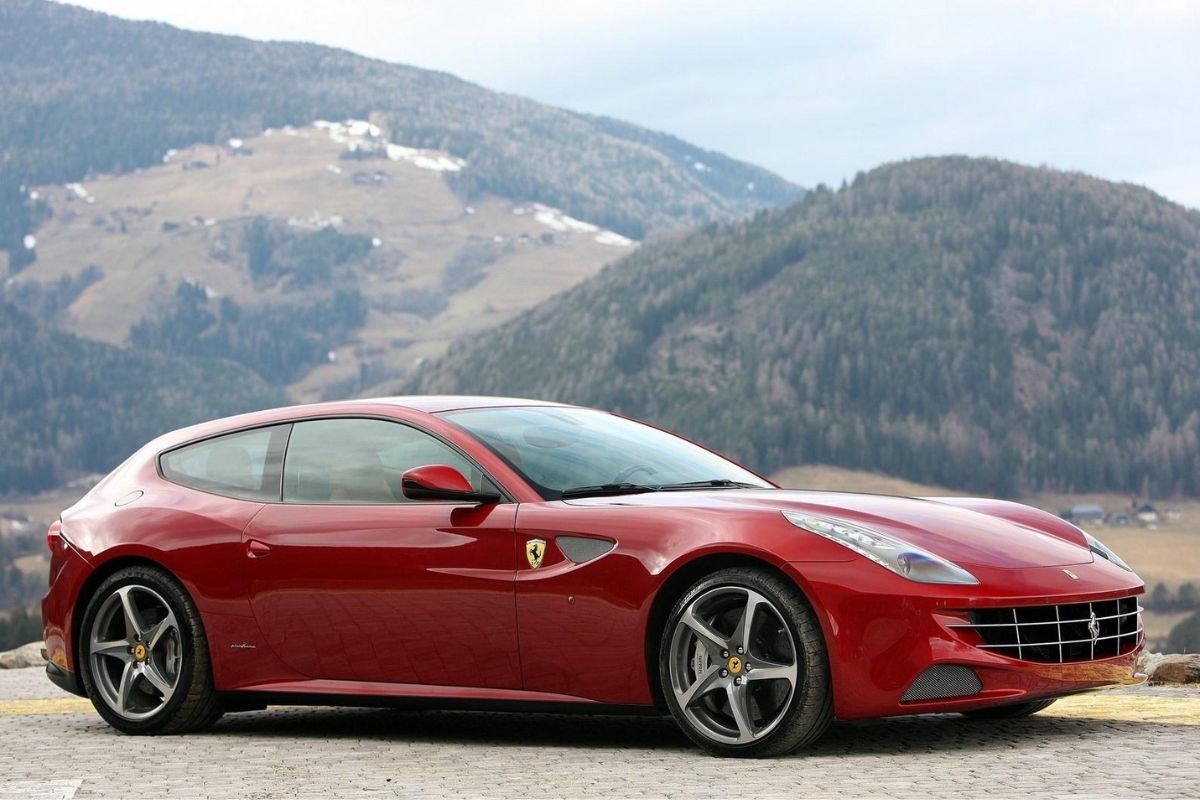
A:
(1129, 743)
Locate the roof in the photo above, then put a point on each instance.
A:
(427, 404)
(434, 404)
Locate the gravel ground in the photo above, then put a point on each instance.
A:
(1128, 743)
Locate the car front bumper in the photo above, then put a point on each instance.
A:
(883, 632)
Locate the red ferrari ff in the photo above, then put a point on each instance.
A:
(498, 553)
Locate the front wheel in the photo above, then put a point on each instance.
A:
(144, 656)
(743, 665)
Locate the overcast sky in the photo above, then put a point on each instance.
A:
(815, 92)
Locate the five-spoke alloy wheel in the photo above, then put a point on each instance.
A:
(743, 665)
(135, 648)
(144, 655)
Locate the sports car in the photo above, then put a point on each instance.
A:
(514, 554)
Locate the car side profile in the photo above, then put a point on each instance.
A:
(514, 554)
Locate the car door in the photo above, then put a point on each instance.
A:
(349, 580)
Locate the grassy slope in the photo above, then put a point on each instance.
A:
(420, 222)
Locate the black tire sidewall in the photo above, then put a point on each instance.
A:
(189, 621)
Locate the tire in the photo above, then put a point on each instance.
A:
(721, 698)
(1015, 711)
(147, 670)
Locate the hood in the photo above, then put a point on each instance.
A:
(965, 536)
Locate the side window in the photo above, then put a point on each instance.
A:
(245, 465)
(360, 461)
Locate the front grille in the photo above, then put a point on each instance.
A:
(1056, 634)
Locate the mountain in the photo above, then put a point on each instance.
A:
(967, 322)
(86, 93)
(70, 406)
(325, 258)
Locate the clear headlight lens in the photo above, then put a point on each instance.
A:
(1099, 548)
(904, 559)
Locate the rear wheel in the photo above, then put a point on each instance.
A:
(144, 656)
(743, 665)
(1009, 712)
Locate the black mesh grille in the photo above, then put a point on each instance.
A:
(1055, 634)
(942, 681)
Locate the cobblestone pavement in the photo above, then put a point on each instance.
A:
(1127, 743)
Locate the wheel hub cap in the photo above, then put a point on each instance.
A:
(734, 665)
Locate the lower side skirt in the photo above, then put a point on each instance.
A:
(258, 700)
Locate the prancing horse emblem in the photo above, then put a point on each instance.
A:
(535, 550)
(1094, 628)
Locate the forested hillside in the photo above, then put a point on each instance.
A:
(69, 406)
(86, 93)
(309, 254)
(967, 322)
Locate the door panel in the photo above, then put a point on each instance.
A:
(407, 593)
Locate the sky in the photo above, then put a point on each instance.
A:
(813, 91)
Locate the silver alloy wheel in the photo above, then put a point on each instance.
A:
(135, 649)
(733, 665)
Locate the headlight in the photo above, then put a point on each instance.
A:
(902, 558)
(1099, 548)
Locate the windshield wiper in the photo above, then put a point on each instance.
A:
(714, 483)
(602, 489)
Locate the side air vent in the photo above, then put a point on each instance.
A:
(582, 548)
(943, 681)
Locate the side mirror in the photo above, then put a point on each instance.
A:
(442, 482)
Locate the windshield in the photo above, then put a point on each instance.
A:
(558, 450)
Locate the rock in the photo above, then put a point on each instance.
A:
(30, 655)
(1177, 669)
(1147, 661)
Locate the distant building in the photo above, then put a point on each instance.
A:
(1147, 514)
(1084, 512)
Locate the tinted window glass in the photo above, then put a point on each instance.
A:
(562, 448)
(360, 461)
(243, 465)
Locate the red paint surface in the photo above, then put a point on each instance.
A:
(437, 599)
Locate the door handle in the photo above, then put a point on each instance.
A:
(257, 549)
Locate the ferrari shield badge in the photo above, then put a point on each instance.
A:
(535, 550)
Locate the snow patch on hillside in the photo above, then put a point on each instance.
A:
(314, 222)
(358, 134)
(613, 239)
(557, 220)
(79, 192)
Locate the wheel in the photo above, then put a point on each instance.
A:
(1009, 712)
(743, 665)
(144, 657)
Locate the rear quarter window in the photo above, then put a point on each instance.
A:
(246, 465)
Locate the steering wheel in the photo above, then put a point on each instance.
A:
(626, 474)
